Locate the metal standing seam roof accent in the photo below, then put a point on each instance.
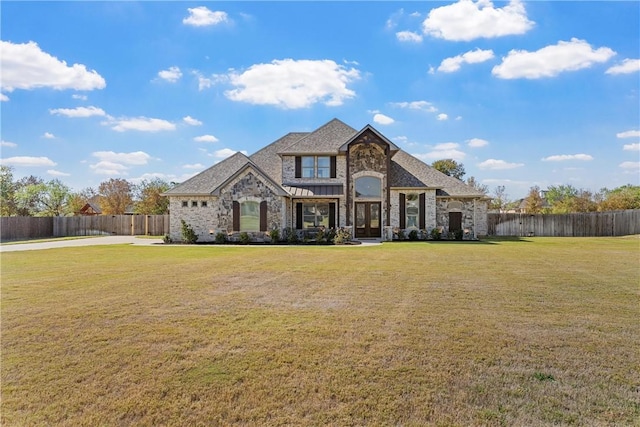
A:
(327, 190)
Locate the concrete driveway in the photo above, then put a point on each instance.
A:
(89, 241)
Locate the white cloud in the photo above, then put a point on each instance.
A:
(27, 161)
(477, 143)
(191, 121)
(449, 65)
(446, 146)
(133, 158)
(48, 135)
(171, 75)
(629, 134)
(3, 97)
(630, 165)
(409, 36)
(26, 66)
(292, 84)
(194, 166)
(203, 17)
(109, 168)
(631, 147)
(4, 143)
(445, 150)
(142, 124)
(416, 105)
(78, 112)
(79, 97)
(442, 116)
(564, 157)
(205, 138)
(495, 164)
(381, 119)
(467, 20)
(628, 66)
(226, 152)
(551, 60)
(54, 172)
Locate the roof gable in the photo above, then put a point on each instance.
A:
(365, 135)
(326, 139)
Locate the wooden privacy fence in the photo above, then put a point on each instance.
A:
(13, 228)
(615, 223)
(21, 227)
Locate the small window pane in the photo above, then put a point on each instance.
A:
(308, 161)
(194, 204)
(323, 162)
(203, 203)
(185, 204)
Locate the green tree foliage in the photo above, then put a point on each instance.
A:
(78, 199)
(150, 199)
(27, 193)
(449, 167)
(116, 195)
(37, 198)
(624, 197)
(7, 192)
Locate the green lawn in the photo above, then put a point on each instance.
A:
(540, 331)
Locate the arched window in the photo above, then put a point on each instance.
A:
(249, 216)
(368, 186)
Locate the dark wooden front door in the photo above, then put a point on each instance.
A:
(367, 219)
(455, 221)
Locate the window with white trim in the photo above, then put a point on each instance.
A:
(249, 216)
(412, 210)
(315, 215)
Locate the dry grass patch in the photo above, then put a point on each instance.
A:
(536, 332)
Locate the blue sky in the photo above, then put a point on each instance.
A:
(522, 93)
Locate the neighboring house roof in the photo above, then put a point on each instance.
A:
(406, 171)
(324, 140)
(90, 209)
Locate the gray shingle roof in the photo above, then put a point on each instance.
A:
(268, 159)
(326, 139)
(408, 171)
(210, 179)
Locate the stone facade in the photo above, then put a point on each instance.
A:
(474, 215)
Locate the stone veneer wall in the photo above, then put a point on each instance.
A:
(474, 215)
(218, 214)
(429, 207)
(368, 157)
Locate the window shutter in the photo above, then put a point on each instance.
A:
(263, 216)
(403, 216)
(333, 167)
(299, 216)
(421, 212)
(298, 167)
(332, 215)
(236, 216)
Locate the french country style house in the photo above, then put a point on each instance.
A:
(332, 177)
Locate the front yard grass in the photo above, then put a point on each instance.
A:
(538, 331)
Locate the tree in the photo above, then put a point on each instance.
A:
(500, 199)
(624, 197)
(7, 192)
(534, 202)
(471, 181)
(27, 195)
(561, 198)
(115, 196)
(43, 198)
(150, 199)
(449, 167)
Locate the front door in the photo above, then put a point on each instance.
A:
(367, 219)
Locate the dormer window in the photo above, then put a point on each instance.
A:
(316, 167)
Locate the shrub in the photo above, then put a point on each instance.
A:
(292, 236)
(221, 238)
(167, 239)
(436, 234)
(188, 235)
(244, 238)
(413, 235)
(342, 236)
(400, 234)
(274, 235)
(458, 234)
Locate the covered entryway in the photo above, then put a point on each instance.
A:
(367, 219)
